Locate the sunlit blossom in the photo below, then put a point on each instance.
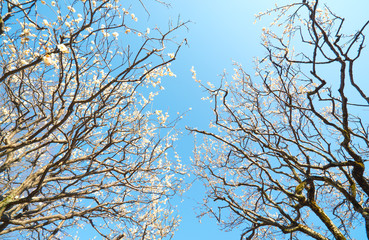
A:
(63, 48)
(70, 8)
(115, 34)
(46, 23)
(48, 60)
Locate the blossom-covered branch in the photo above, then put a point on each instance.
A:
(79, 146)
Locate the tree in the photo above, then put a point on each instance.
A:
(289, 149)
(79, 144)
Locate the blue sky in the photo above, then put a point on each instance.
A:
(220, 32)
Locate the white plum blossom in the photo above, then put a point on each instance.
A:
(49, 59)
(115, 34)
(63, 48)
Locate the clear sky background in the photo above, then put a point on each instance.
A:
(219, 32)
